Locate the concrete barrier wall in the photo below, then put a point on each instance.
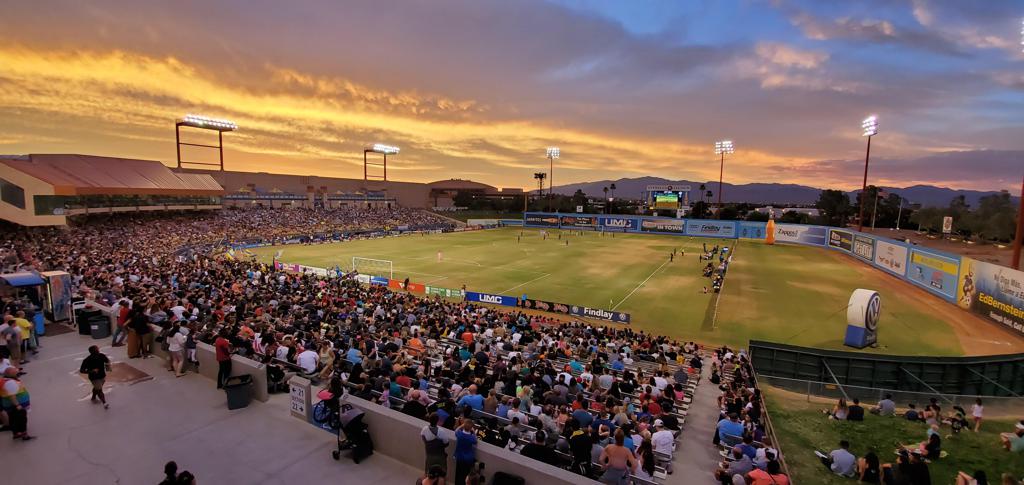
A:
(207, 357)
(398, 435)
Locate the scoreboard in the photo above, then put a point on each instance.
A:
(667, 197)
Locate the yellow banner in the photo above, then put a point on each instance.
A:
(934, 263)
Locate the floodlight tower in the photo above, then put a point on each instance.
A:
(869, 129)
(203, 123)
(722, 148)
(553, 153)
(383, 150)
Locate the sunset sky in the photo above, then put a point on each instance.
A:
(478, 89)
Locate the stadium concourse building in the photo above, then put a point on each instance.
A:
(46, 189)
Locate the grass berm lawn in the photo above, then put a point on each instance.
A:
(780, 293)
(802, 428)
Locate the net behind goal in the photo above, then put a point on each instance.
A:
(374, 267)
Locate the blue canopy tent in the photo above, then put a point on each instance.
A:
(24, 278)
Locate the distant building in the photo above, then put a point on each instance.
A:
(777, 212)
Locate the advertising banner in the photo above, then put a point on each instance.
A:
(864, 247)
(891, 257)
(992, 291)
(378, 280)
(545, 306)
(492, 299)
(578, 311)
(619, 223)
(934, 272)
(445, 292)
(482, 222)
(662, 225)
(579, 222)
(840, 240)
(723, 229)
(363, 278)
(542, 220)
(752, 230)
(800, 234)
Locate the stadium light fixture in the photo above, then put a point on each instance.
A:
(383, 150)
(203, 123)
(722, 148)
(869, 128)
(553, 153)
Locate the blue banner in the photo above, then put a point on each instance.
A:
(378, 280)
(618, 223)
(752, 230)
(611, 316)
(703, 228)
(934, 272)
(492, 299)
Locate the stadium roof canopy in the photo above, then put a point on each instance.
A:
(96, 175)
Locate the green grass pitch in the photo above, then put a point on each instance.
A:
(780, 293)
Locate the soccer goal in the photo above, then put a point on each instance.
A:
(373, 267)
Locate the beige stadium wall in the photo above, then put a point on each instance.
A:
(407, 194)
(32, 187)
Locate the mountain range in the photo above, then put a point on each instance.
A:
(776, 194)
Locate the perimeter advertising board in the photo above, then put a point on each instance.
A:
(674, 226)
(579, 222)
(752, 230)
(703, 228)
(619, 223)
(891, 257)
(992, 291)
(445, 292)
(542, 220)
(502, 300)
(578, 311)
(934, 272)
(799, 234)
(840, 240)
(864, 247)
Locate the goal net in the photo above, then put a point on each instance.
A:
(373, 267)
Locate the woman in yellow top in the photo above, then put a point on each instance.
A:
(26, 333)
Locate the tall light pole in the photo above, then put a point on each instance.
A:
(553, 153)
(870, 129)
(721, 148)
(383, 150)
(203, 123)
(899, 214)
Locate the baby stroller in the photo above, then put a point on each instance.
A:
(357, 434)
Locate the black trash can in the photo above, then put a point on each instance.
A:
(82, 318)
(239, 391)
(99, 327)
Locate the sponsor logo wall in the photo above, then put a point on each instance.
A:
(541, 220)
(492, 299)
(618, 223)
(445, 292)
(795, 233)
(723, 229)
(934, 272)
(579, 222)
(992, 291)
(579, 311)
(891, 257)
(674, 226)
(864, 247)
(752, 230)
(378, 280)
(840, 240)
(482, 222)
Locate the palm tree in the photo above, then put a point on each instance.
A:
(702, 188)
(612, 187)
(605, 200)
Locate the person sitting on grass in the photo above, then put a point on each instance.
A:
(912, 414)
(978, 478)
(855, 412)
(869, 470)
(930, 448)
(840, 461)
(886, 407)
(839, 411)
(1014, 442)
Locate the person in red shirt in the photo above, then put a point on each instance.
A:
(223, 348)
(122, 320)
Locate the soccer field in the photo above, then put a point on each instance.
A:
(780, 293)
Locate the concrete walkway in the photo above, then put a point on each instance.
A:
(696, 458)
(161, 419)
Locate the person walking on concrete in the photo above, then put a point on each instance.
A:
(223, 348)
(95, 366)
(14, 400)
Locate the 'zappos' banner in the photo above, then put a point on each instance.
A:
(542, 220)
(752, 230)
(723, 229)
(795, 233)
(618, 223)
(934, 272)
(492, 299)
(992, 291)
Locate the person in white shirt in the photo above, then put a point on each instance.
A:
(176, 349)
(977, 410)
(308, 360)
(662, 440)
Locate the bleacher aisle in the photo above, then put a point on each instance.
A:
(696, 458)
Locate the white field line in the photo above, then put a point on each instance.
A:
(641, 284)
(434, 280)
(545, 275)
